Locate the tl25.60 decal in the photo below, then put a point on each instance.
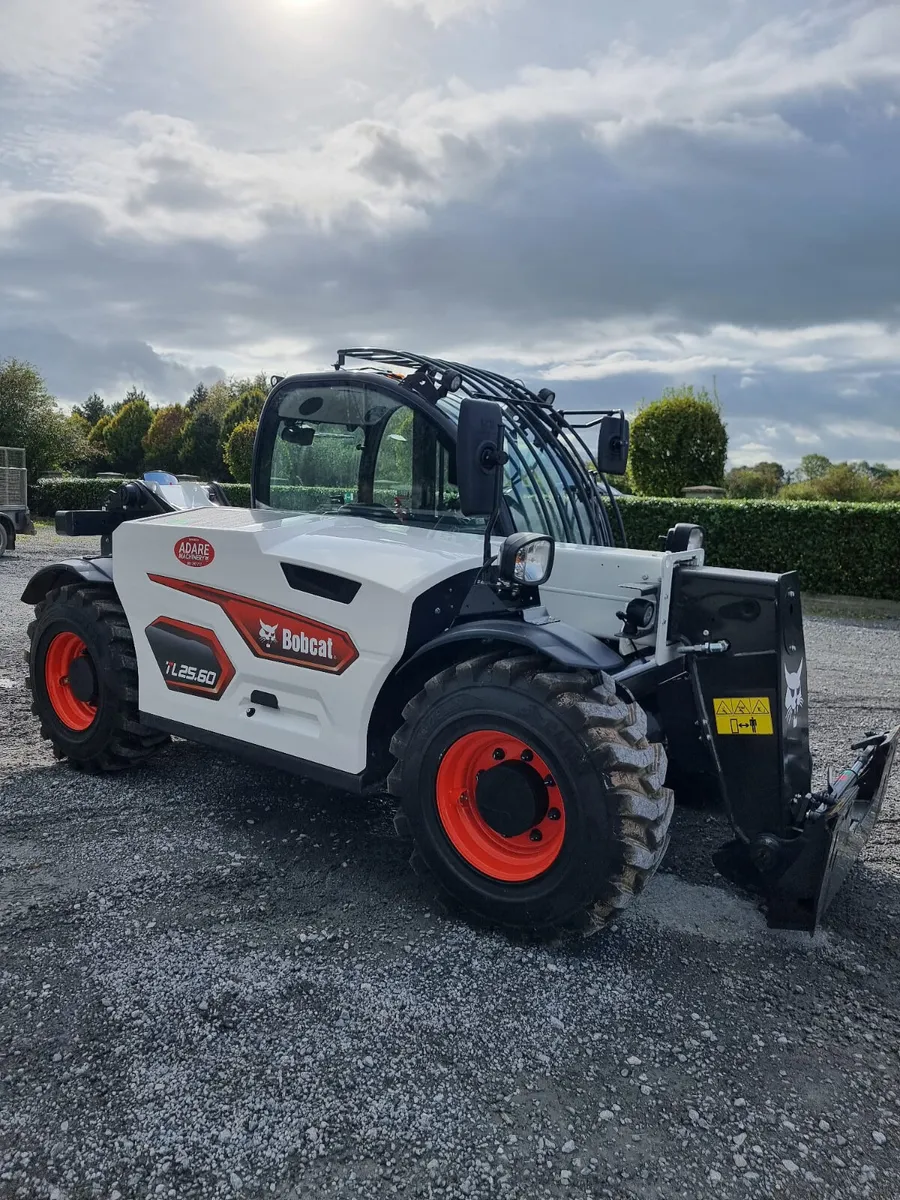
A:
(274, 633)
(188, 674)
(190, 657)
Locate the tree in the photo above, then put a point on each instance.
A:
(759, 482)
(31, 419)
(881, 471)
(198, 397)
(93, 409)
(162, 441)
(677, 441)
(124, 435)
(746, 483)
(239, 450)
(772, 471)
(842, 481)
(201, 452)
(814, 466)
(247, 407)
(97, 436)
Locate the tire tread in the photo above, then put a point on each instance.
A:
(613, 733)
(130, 741)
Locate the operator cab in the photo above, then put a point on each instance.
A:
(381, 446)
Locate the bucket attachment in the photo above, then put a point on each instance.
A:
(799, 874)
(740, 719)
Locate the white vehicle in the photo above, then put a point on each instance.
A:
(425, 595)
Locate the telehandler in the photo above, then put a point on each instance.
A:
(426, 595)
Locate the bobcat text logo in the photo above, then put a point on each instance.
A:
(194, 552)
(307, 647)
(268, 634)
(793, 697)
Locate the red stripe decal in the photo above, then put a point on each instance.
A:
(274, 633)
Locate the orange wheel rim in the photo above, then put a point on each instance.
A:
(513, 856)
(63, 650)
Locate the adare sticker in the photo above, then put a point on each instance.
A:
(194, 552)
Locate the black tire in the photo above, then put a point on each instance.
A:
(617, 811)
(116, 738)
(4, 538)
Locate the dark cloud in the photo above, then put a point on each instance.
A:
(778, 217)
(787, 413)
(179, 186)
(390, 161)
(73, 368)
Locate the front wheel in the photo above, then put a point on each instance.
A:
(83, 680)
(532, 795)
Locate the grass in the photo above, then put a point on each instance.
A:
(857, 608)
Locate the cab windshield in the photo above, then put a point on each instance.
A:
(354, 448)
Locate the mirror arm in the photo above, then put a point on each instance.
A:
(495, 460)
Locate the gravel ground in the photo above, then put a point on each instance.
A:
(216, 981)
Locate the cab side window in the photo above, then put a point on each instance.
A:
(323, 438)
(357, 450)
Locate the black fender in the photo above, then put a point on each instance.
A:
(561, 643)
(70, 570)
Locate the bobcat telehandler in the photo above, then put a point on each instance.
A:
(426, 595)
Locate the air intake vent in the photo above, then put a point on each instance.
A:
(320, 583)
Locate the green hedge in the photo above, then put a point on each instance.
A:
(238, 494)
(837, 548)
(48, 496)
(301, 499)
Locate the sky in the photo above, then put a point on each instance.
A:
(604, 198)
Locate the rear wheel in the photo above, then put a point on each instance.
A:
(83, 680)
(4, 538)
(532, 795)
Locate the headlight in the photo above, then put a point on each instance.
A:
(527, 558)
(685, 537)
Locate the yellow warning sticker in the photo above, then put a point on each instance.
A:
(743, 714)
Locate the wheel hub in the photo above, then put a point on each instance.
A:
(511, 797)
(500, 806)
(83, 680)
(70, 681)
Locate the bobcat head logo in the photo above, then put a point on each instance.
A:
(267, 633)
(793, 699)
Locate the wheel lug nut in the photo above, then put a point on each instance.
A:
(526, 755)
(498, 754)
(536, 835)
(549, 781)
(553, 814)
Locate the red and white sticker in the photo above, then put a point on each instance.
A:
(275, 633)
(194, 552)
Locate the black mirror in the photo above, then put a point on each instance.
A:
(298, 435)
(612, 445)
(479, 456)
